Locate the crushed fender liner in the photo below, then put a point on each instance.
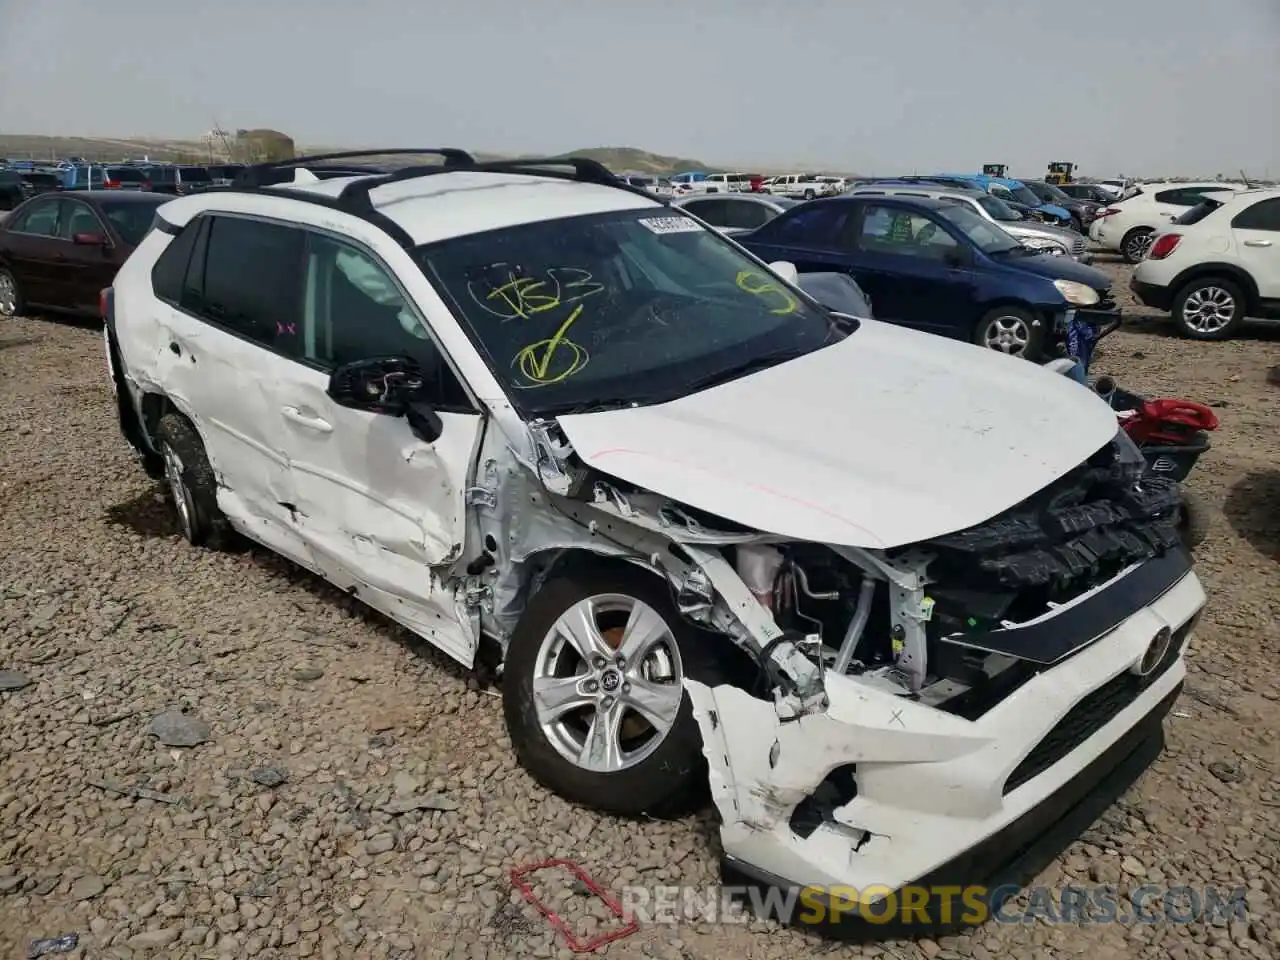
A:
(999, 866)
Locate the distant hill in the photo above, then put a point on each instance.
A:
(109, 149)
(635, 160)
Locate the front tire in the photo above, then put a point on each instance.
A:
(1011, 330)
(10, 295)
(808, 194)
(191, 483)
(1209, 308)
(1135, 244)
(593, 692)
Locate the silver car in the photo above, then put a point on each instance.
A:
(734, 213)
(1059, 241)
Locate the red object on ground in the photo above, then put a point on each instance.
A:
(577, 946)
(1167, 421)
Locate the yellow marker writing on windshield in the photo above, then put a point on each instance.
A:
(757, 284)
(534, 361)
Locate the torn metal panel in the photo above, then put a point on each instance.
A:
(928, 786)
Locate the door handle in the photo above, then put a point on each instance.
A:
(1257, 243)
(311, 423)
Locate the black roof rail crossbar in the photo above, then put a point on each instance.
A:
(452, 156)
(584, 171)
(354, 197)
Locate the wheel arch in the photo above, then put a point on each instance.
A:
(1229, 271)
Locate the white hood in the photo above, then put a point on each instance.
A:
(884, 439)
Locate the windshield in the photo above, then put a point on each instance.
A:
(132, 220)
(998, 209)
(1050, 194)
(1024, 195)
(988, 237)
(618, 307)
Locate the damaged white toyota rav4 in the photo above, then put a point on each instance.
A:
(910, 607)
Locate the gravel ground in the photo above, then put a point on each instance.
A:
(354, 794)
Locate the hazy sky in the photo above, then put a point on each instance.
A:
(1119, 86)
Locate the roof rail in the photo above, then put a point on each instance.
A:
(354, 197)
(584, 170)
(254, 175)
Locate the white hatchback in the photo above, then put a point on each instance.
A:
(1128, 225)
(902, 602)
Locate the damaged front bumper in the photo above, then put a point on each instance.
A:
(880, 796)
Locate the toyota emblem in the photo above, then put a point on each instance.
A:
(1155, 653)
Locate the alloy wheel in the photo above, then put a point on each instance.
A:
(1209, 310)
(8, 296)
(1009, 335)
(608, 683)
(175, 473)
(1138, 245)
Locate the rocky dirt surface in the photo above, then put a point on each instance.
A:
(345, 792)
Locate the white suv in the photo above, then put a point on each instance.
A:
(1128, 225)
(1216, 265)
(523, 404)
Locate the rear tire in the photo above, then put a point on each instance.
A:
(649, 762)
(1011, 330)
(1209, 308)
(191, 483)
(1135, 244)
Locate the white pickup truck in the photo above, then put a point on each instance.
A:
(711, 183)
(798, 186)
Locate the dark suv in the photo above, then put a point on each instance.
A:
(19, 185)
(178, 179)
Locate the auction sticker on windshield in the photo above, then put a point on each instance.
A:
(671, 224)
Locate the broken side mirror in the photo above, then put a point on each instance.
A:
(395, 386)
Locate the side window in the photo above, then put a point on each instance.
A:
(354, 310)
(252, 279)
(814, 224)
(901, 232)
(745, 215)
(171, 267)
(79, 218)
(39, 219)
(1263, 215)
(712, 211)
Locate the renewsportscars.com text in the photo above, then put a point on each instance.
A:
(927, 906)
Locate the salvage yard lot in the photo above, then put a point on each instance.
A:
(278, 835)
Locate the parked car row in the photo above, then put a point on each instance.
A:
(19, 183)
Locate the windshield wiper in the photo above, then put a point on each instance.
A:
(754, 365)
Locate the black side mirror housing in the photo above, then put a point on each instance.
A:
(394, 386)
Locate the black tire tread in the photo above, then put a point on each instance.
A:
(212, 529)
